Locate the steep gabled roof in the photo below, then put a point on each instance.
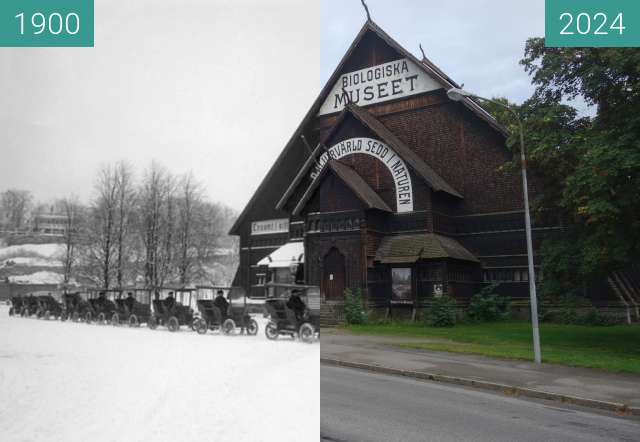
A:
(369, 25)
(440, 77)
(301, 173)
(355, 182)
(409, 248)
(435, 181)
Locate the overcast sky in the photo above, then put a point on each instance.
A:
(218, 87)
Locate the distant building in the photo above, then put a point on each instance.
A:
(49, 223)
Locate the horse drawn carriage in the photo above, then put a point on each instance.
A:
(294, 311)
(134, 309)
(171, 308)
(15, 305)
(29, 306)
(48, 307)
(101, 307)
(75, 307)
(217, 313)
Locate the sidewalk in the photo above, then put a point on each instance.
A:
(582, 386)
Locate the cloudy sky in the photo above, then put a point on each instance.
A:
(218, 86)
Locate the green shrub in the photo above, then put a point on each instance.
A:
(442, 312)
(572, 309)
(486, 306)
(354, 308)
(594, 317)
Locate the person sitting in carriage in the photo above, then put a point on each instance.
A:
(102, 299)
(169, 302)
(221, 302)
(297, 305)
(130, 301)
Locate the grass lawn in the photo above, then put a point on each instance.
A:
(615, 348)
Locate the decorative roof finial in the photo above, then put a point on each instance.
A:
(424, 57)
(367, 10)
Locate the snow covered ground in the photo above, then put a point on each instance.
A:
(62, 381)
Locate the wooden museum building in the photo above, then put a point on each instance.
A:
(390, 187)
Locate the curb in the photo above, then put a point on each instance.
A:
(509, 390)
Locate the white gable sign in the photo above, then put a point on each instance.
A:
(379, 150)
(384, 82)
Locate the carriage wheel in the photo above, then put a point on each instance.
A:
(306, 333)
(252, 327)
(115, 319)
(173, 324)
(271, 331)
(47, 315)
(202, 326)
(133, 321)
(228, 326)
(195, 323)
(64, 316)
(152, 323)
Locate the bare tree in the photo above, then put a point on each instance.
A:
(99, 247)
(162, 230)
(156, 224)
(15, 204)
(73, 218)
(190, 224)
(214, 252)
(125, 204)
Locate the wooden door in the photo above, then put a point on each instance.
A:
(333, 275)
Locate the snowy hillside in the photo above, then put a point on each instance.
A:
(41, 264)
(49, 252)
(44, 277)
(31, 263)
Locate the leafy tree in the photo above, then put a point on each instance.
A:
(587, 168)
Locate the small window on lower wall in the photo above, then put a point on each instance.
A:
(521, 275)
(401, 284)
(505, 275)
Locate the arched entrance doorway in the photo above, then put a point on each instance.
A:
(333, 275)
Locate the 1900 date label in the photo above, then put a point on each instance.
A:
(47, 23)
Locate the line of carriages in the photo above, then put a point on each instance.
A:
(293, 310)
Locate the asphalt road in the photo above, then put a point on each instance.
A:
(357, 406)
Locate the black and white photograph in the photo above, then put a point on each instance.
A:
(319, 220)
